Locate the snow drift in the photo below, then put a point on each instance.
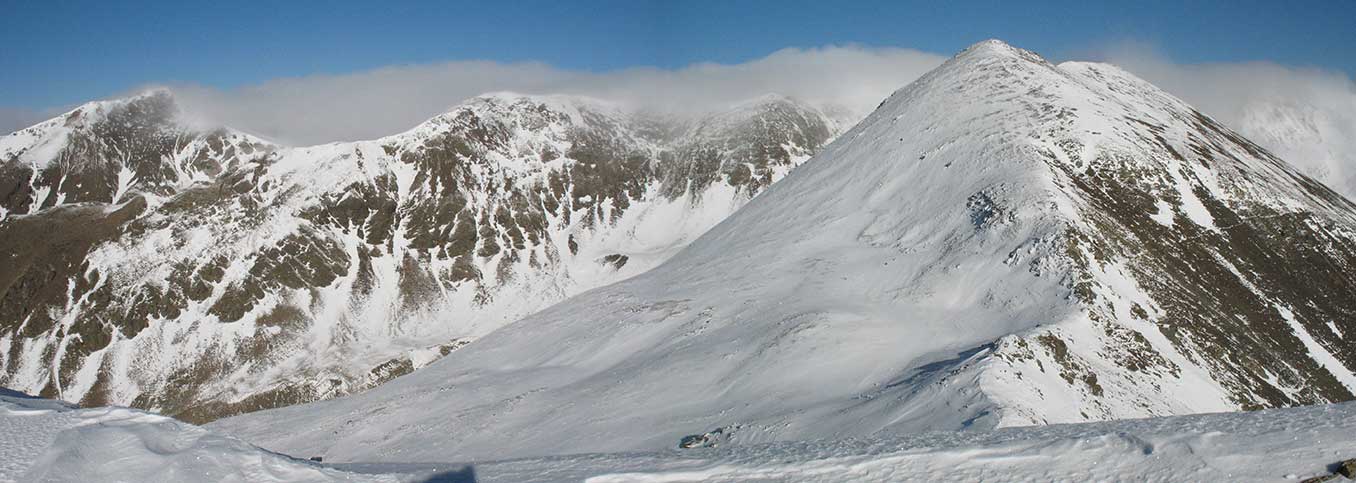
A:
(50, 442)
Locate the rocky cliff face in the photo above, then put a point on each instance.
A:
(205, 272)
(1003, 242)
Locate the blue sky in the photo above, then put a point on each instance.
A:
(57, 53)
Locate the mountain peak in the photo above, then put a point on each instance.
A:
(557, 102)
(768, 98)
(154, 96)
(983, 74)
(994, 48)
(503, 104)
(990, 45)
(153, 91)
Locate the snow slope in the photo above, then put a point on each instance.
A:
(46, 441)
(1004, 242)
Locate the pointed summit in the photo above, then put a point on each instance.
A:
(150, 106)
(161, 93)
(994, 50)
(993, 47)
(1003, 242)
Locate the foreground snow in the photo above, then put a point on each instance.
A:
(1272, 445)
(43, 440)
(51, 441)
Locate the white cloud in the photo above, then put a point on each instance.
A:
(1305, 116)
(365, 105)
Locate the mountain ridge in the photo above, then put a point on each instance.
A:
(288, 274)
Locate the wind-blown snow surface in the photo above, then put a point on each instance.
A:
(1272, 445)
(42, 440)
(987, 249)
(46, 441)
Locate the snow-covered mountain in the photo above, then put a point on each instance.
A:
(206, 272)
(1004, 242)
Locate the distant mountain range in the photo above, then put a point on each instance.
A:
(202, 273)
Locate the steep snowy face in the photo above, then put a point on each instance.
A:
(274, 276)
(1003, 242)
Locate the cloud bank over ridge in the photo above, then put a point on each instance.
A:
(369, 104)
(1306, 116)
